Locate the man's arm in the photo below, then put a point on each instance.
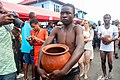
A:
(77, 52)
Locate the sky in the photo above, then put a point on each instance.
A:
(95, 8)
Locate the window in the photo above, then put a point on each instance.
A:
(42, 5)
(56, 8)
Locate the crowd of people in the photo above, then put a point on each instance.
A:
(21, 44)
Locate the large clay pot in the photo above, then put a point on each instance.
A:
(54, 57)
(106, 38)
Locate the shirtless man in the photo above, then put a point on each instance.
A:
(107, 47)
(71, 35)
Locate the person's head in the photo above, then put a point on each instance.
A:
(34, 24)
(117, 22)
(32, 15)
(106, 19)
(113, 22)
(86, 24)
(94, 26)
(99, 23)
(67, 14)
(50, 24)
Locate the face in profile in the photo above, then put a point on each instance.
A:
(67, 15)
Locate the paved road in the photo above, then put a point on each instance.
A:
(95, 68)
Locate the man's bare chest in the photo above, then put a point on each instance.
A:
(66, 37)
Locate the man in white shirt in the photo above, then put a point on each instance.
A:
(107, 44)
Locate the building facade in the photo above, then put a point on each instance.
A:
(52, 5)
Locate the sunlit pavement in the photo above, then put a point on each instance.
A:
(95, 71)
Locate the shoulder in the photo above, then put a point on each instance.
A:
(91, 30)
(78, 27)
(44, 30)
(114, 26)
(56, 28)
(32, 31)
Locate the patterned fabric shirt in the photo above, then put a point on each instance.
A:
(7, 63)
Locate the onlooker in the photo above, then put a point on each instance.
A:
(25, 49)
(17, 50)
(49, 28)
(108, 34)
(116, 42)
(37, 38)
(88, 37)
(7, 62)
(95, 39)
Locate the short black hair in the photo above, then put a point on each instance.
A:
(50, 23)
(70, 5)
(34, 21)
(31, 14)
(107, 15)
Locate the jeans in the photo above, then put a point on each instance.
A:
(11, 76)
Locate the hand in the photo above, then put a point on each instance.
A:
(85, 41)
(56, 74)
(42, 73)
(6, 19)
(29, 38)
(33, 37)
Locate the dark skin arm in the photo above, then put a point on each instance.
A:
(49, 40)
(74, 57)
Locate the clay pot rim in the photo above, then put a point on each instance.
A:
(55, 45)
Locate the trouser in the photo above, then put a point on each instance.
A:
(11, 76)
(74, 74)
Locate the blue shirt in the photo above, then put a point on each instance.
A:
(25, 47)
(49, 30)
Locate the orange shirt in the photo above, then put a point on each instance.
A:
(37, 45)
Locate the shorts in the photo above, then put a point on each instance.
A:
(74, 74)
(28, 59)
